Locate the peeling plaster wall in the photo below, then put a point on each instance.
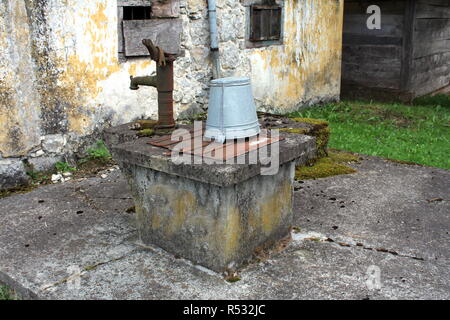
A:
(61, 79)
(60, 72)
(307, 68)
(304, 70)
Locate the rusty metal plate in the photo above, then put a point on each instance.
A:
(213, 150)
(166, 141)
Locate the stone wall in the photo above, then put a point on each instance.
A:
(61, 79)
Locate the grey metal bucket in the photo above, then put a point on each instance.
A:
(231, 110)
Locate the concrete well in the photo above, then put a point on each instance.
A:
(214, 215)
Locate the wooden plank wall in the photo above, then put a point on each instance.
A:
(431, 46)
(373, 58)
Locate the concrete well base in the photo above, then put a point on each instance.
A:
(214, 215)
(216, 227)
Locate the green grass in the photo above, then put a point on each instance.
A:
(63, 167)
(98, 151)
(442, 100)
(6, 293)
(418, 133)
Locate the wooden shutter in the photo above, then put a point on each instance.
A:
(275, 27)
(165, 33)
(265, 23)
(153, 19)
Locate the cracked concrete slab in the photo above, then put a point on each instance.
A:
(77, 241)
(386, 205)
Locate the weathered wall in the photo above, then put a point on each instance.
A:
(307, 68)
(61, 79)
(407, 58)
(430, 65)
(216, 227)
(372, 58)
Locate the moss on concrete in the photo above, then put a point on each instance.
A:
(154, 132)
(344, 157)
(17, 190)
(146, 133)
(232, 278)
(322, 138)
(320, 130)
(146, 124)
(315, 122)
(164, 131)
(329, 166)
(201, 117)
(7, 294)
(295, 130)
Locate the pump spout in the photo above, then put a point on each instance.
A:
(149, 81)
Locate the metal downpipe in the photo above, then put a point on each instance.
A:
(212, 14)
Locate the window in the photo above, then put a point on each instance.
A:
(265, 23)
(130, 10)
(136, 13)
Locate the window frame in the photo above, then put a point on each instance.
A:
(120, 33)
(249, 43)
(147, 14)
(266, 32)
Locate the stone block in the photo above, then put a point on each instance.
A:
(54, 143)
(12, 173)
(190, 113)
(165, 8)
(44, 163)
(38, 153)
(217, 227)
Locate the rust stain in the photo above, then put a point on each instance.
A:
(273, 208)
(183, 205)
(171, 208)
(232, 232)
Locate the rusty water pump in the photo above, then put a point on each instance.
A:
(163, 82)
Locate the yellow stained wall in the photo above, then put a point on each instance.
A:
(60, 73)
(306, 69)
(18, 108)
